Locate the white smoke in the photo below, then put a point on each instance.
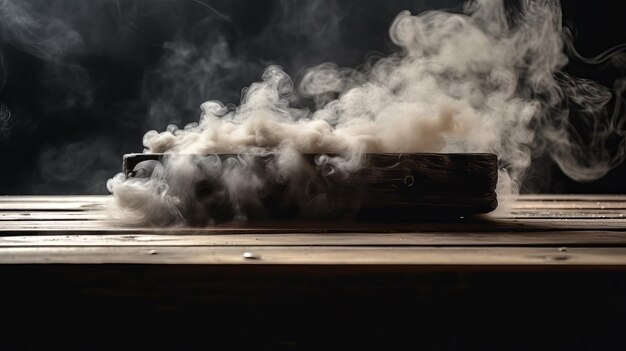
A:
(480, 81)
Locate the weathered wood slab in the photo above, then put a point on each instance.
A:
(307, 255)
(562, 239)
(69, 227)
(387, 186)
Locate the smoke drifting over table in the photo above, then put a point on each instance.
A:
(482, 81)
(485, 76)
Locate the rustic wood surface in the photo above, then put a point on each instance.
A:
(532, 230)
(545, 272)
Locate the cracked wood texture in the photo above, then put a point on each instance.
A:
(542, 272)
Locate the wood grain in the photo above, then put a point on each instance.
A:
(392, 186)
(307, 255)
(557, 238)
(552, 266)
(50, 227)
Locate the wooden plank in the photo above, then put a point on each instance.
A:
(560, 239)
(104, 216)
(44, 209)
(570, 197)
(388, 186)
(37, 203)
(52, 215)
(450, 175)
(55, 198)
(309, 255)
(534, 198)
(492, 226)
(580, 205)
(63, 215)
(99, 214)
(13, 204)
(50, 206)
(567, 213)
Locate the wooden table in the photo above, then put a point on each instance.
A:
(550, 271)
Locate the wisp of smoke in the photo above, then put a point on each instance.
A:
(478, 81)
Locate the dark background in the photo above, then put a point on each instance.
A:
(82, 81)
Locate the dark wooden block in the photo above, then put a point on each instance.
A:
(387, 186)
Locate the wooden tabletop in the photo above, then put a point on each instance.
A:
(548, 273)
(574, 231)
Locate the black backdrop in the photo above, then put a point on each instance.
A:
(82, 81)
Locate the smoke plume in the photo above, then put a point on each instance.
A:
(484, 80)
